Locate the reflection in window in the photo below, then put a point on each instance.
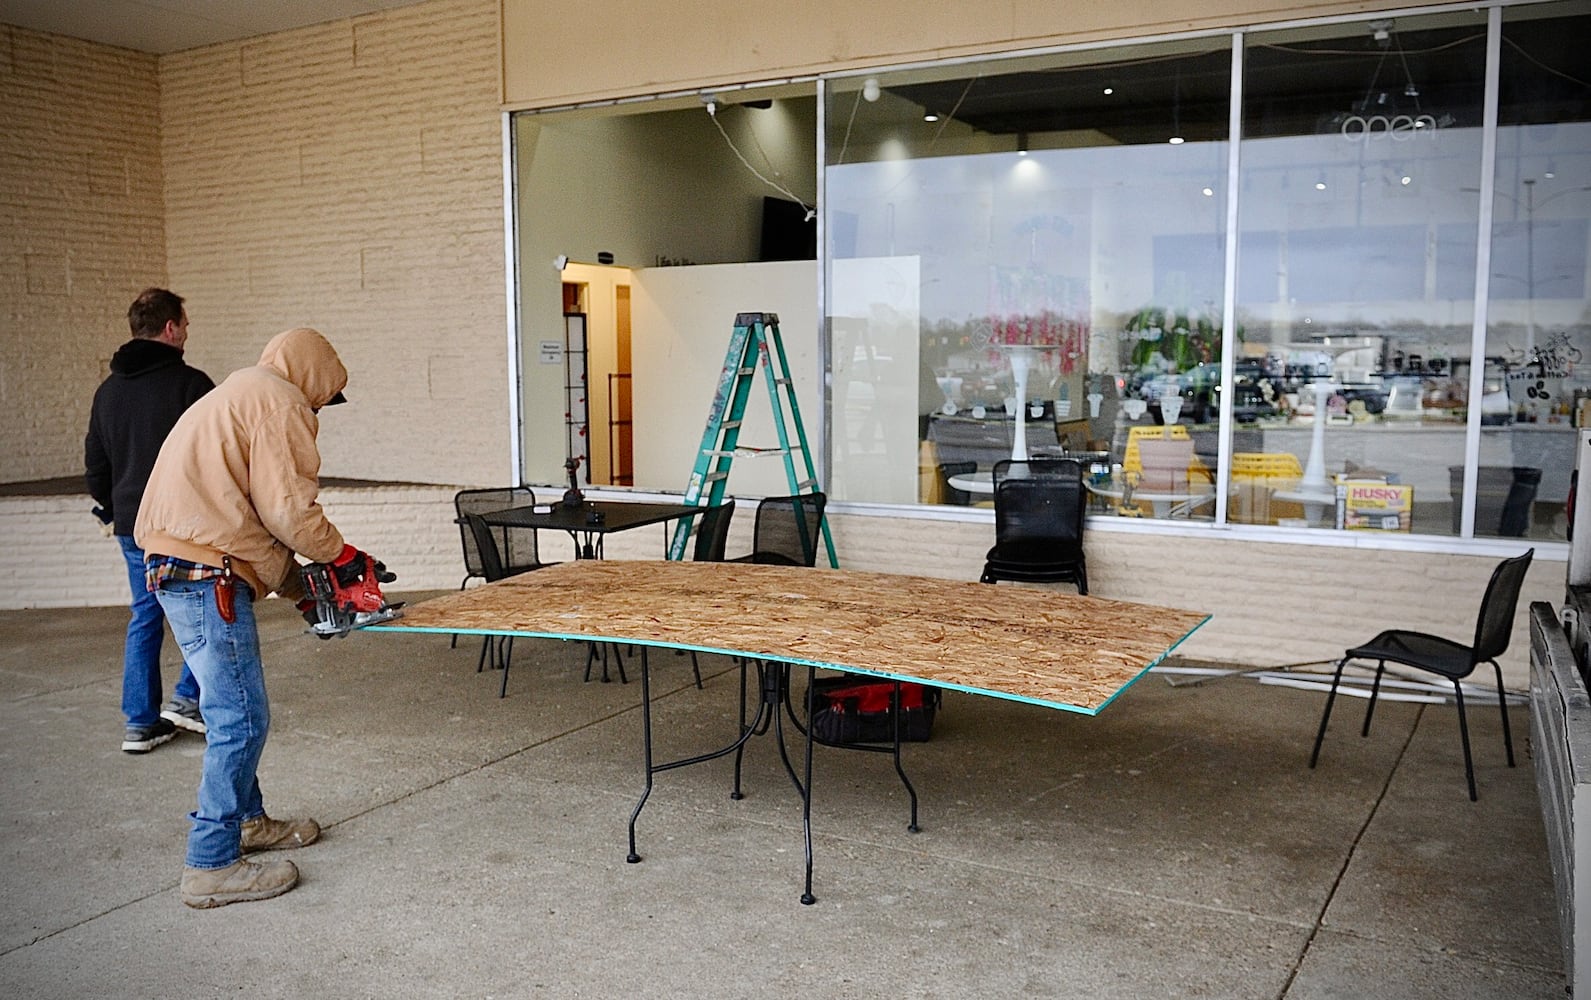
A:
(1537, 383)
(1354, 312)
(1027, 256)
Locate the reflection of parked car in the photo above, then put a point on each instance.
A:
(1372, 396)
(1254, 394)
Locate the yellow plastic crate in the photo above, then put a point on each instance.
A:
(1251, 465)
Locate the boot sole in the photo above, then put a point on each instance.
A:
(144, 746)
(183, 722)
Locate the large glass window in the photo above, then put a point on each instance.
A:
(1537, 376)
(1027, 256)
(1355, 287)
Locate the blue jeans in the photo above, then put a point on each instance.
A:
(225, 656)
(146, 631)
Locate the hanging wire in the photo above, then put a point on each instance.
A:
(949, 117)
(713, 114)
(845, 142)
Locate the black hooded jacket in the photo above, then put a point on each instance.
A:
(148, 389)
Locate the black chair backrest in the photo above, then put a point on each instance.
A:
(1045, 513)
(787, 530)
(516, 547)
(1036, 467)
(480, 536)
(1496, 625)
(713, 531)
(951, 494)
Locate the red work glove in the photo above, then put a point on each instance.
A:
(351, 565)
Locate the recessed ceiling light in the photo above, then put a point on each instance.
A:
(1176, 140)
(1405, 180)
(1209, 192)
(930, 117)
(1110, 90)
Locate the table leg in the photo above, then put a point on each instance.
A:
(646, 750)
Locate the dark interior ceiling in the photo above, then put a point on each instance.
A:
(1293, 88)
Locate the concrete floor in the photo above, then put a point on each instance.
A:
(1176, 846)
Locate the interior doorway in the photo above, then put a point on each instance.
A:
(621, 415)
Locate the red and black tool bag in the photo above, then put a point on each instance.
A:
(856, 709)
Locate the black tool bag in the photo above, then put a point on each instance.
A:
(856, 709)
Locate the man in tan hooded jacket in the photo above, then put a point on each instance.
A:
(231, 499)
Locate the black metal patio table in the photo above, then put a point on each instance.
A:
(593, 519)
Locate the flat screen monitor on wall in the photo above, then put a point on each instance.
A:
(787, 233)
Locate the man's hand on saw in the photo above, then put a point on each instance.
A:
(353, 566)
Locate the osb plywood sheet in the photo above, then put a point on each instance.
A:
(1031, 644)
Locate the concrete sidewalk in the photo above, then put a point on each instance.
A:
(1176, 846)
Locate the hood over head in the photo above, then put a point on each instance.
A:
(307, 359)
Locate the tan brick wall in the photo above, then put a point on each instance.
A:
(348, 177)
(81, 233)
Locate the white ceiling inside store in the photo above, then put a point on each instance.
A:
(162, 26)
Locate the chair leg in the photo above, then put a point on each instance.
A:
(453, 643)
(1502, 700)
(1082, 579)
(1331, 697)
(508, 657)
(696, 669)
(486, 647)
(1375, 691)
(1463, 732)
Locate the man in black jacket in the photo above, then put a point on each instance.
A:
(134, 409)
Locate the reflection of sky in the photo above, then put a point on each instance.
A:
(1329, 228)
(1082, 219)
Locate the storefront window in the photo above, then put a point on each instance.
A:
(1537, 380)
(1356, 272)
(1027, 257)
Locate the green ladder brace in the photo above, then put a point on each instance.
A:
(747, 343)
(810, 483)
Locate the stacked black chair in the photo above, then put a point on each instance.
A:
(1038, 524)
(712, 531)
(1039, 466)
(788, 530)
(1450, 659)
(495, 553)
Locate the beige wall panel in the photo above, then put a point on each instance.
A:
(348, 176)
(650, 48)
(80, 195)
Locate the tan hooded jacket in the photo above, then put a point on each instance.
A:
(239, 473)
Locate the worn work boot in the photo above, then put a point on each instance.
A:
(239, 882)
(262, 833)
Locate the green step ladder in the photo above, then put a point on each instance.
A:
(755, 338)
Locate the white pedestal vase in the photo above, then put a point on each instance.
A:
(1021, 357)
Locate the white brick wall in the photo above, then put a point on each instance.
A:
(55, 556)
(1271, 604)
(347, 176)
